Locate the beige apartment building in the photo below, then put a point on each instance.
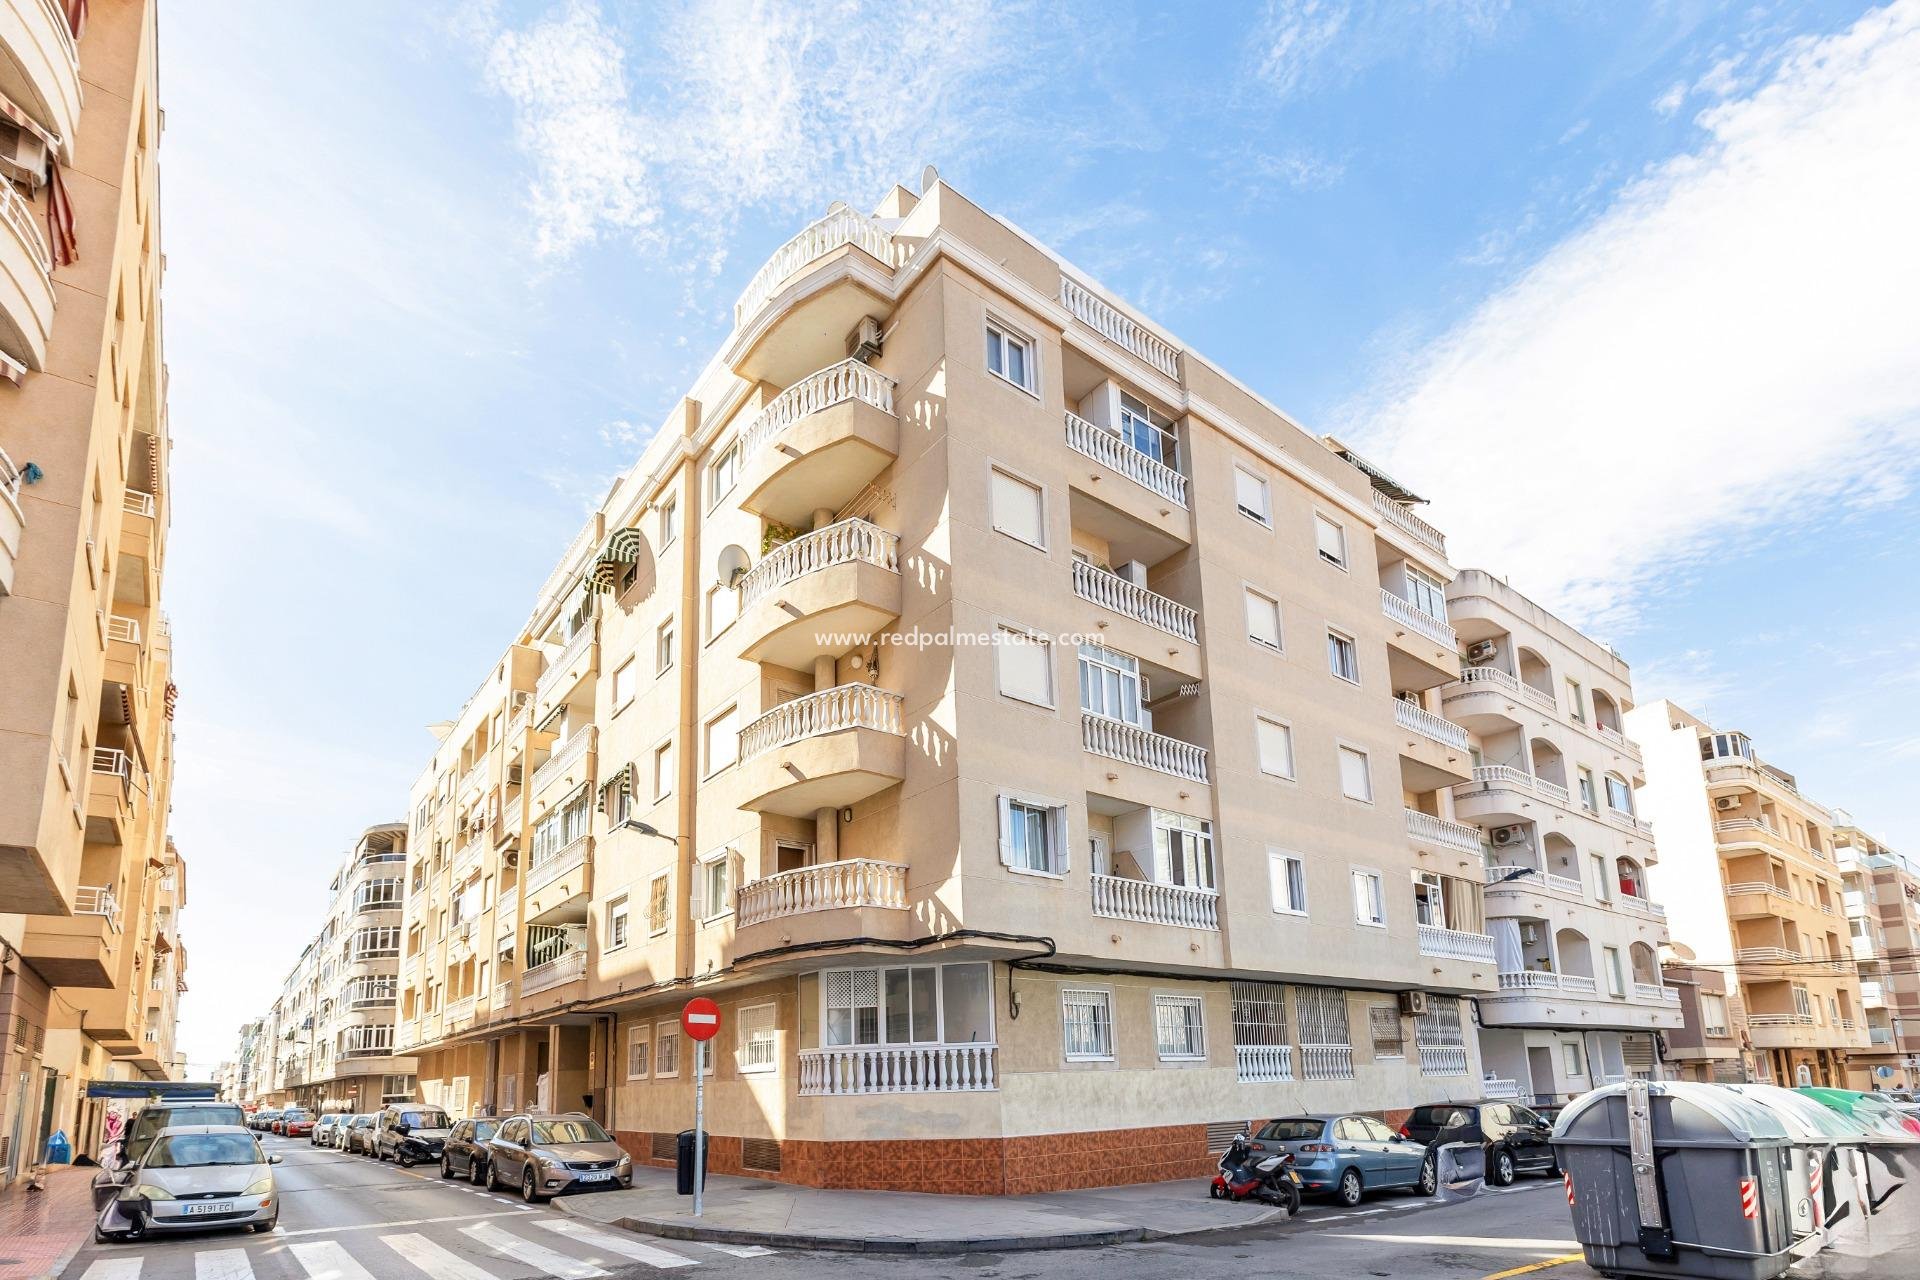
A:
(1577, 934)
(91, 887)
(1748, 873)
(1018, 726)
(1881, 894)
(1713, 1043)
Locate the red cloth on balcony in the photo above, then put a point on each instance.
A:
(60, 238)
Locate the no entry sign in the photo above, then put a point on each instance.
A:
(700, 1019)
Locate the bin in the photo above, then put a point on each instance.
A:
(1678, 1179)
(683, 1173)
(1827, 1180)
(59, 1150)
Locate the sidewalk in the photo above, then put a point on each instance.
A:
(778, 1215)
(40, 1230)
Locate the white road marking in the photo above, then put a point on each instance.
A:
(1466, 1242)
(438, 1263)
(409, 1222)
(615, 1242)
(738, 1250)
(222, 1264)
(326, 1260)
(114, 1269)
(551, 1261)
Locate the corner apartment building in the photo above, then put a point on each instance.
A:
(329, 1036)
(1748, 874)
(1576, 932)
(994, 706)
(1712, 1043)
(1881, 894)
(85, 691)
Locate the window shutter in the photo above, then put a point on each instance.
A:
(1329, 539)
(1277, 881)
(697, 893)
(1006, 830)
(1062, 846)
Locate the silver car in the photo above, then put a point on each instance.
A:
(549, 1155)
(191, 1178)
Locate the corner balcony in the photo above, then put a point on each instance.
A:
(1421, 650)
(26, 271)
(855, 897)
(820, 594)
(1425, 829)
(1150, 902)
(798, 309)
(1093, 311)
(1756, 899)
(1433, 749)
(818, 443)
(1488, 700)
(576, 661)
(937, 1068)
(40, 72)
(1501, 795)
(827, 750)
(13, 522)
(1455, 944)
(76, 950)
(1401, 517)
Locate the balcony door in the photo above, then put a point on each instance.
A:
(1111, 685)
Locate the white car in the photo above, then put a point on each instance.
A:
(191, 1178)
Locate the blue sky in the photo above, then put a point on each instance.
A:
(1626, 289)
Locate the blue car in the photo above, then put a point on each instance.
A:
(1346, 1156)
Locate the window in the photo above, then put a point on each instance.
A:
(1356, 780)
(1801, 1005)
(1439, 1027)
(663, 770)
(1616, 979)
(1263, 620)
(1110, 685)
(1587, 796)
(1619, 795)
(1033, 836)
(1322, 1015)
(713, 886)
(560, 829)
(622, 685)
(1086, 1025)
(1287, 879)
(1011, 357)
(1182, 850)
(1713, 1014)
(1570, 1058)
(663, 648)
(756, 1051)
(1179, 1028)
(1275, 743)
(616, 924)
(657, 904)
(1019, 509)
(1429, 899)
(1369, 899)
(1389, 1038)
(722, 740)
(907, 1004)
(669, 521)
(1576, 701)
(1602, 889)
(666, 1049)
(1330, 540)
(1250, 495)
(1259, 1014)
(1343, 658)
(1426, 593)
(1024, 662)
(723, 606)
(720, 479)
(638, 1047)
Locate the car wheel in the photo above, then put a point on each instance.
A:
(1429, 1183)
(1350, 1190)
(1502, 1175)
(403, 1159)
(527, 1185)
(493, 1177)
(446, 1167)
(476, 1171)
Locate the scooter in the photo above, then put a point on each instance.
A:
(1271, 1180)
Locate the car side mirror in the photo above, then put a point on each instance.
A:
(403, 1128)
(276, 1160)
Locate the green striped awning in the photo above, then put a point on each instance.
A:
(623, 548)
(621, 782)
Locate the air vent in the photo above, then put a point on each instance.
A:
(762, 1154)
(665, 1147)
(1220, 1134)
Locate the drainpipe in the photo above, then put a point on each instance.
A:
(826, 822)
(691, 524)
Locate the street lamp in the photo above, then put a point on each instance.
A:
(646, 829)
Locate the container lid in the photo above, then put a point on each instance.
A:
(1684, 1111)
(1805, 1119)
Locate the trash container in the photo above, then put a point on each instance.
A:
(683, 1179)
(1678, 1179)
(59, 1150)
(1826, 1172)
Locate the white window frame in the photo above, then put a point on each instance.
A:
(1366, 761)
(706, 742)
(880, 1005)
(666, 1033)
(725, 468)
(621, 686)
(1252, 597)
(1260, 757)
(620, 914)
(997, 472)
(1264, 516)
(666, 646)
(747, 1036)
(1375, 885)
(1024, 636)
(1335, 638)
(1320, 522)
(709, 911)
(663, 780)
(1281, 864)
(666, 916)
(640, 1038)
(1100, 999)
(1426, 592)
(1573, 1063)
(1058, 828)
(1430, 899)
(714, 593)
(1173, 999)
(1616, 972)
(999, 331)
(669, 520)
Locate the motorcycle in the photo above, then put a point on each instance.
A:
(1271, 1180)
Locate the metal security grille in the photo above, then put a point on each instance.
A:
(1322, 1014)
(1636, 1053)
(1389, 1040)
(1439, 1026)
(1259, 1013)
(762, 1154)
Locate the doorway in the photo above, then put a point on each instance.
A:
(1540, 1068)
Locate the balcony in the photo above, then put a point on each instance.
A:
(563, 968)
(1416, 718)
(827, 750)
(76, 950)
(944, 1068)
(1748, 899)
(1131, 744)
(567, 763)
(41, 70)
(1575, 984)
(1326, 1062)
(1150, 902)
(110, 800)
(1638, 906)
(855, 897)
(565, 670)
(1501, 795)
(1421, 649)
(818, 443)
(1619, 741)
(1154, 613)
(459, 1014)
(1628, 822)
(813, 290)
(1401, 517)
(12, 522)
(820, 594)
(1487, 699)
(1443, 1060)
(1454, 944)
(1263, 1063)
(26, 271)
(1126, 462)
(1104, 319)
(1655, 993)
(1424, 828)
(570, 857)
(1433, 750)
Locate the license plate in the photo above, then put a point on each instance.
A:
(199, 1207)
(1294, 1176)
(596, 1175)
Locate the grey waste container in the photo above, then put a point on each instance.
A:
(1678, 1179)
(1826, 1172)
(683, 1180)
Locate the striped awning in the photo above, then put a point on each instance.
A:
(12, 370)
(621, 782)
(622, 549)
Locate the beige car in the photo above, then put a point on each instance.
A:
(550, 1155)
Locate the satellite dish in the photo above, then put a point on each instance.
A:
(1682, 952)
(732, 565)
(928, 176)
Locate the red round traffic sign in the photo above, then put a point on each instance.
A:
(700, 1019)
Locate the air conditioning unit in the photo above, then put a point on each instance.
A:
(1482, 651)
(23, 155)
(1504, 836)
(511, 857)
(863, 343)
(1413, 1003)
(1132, 571)
(515, 772)
(1726, 804)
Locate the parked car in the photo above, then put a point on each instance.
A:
(1550, 1112)
(263, 1119)
(193, 1177)
(324, 1129)
(1346, 1155)
(358, 1138)
(464, 1154)
(295, 1122)
(1513, 1137)
(410, 1133)
(550, 1155)
(117, 1163)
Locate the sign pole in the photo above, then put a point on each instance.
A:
(699, 1122)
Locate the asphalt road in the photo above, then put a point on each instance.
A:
(350, 1218)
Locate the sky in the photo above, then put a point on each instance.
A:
(1625, 289)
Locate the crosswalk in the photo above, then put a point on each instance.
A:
(510, 1247)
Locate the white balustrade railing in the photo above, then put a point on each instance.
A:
(1480, 680)
(1263, 1063)
(562, 663)
(1621, 818)
(1402, 518)
(1488, 776)
(1443, 831)
(1766, 955)
(53, 12)
(1779, 1019)
(1414, 717)
(1731, 825)
(830, 886)
(1103, 318)
(1650, 991)
(840, 226)
(563, 968)
(1455, 944)
(1131, 744)
(1443, 1060)
(844, 542)
(1552, 791)
(97, 900)
(1111, 591)
(1109, 450)
(1326, 1062)
(459, 1013)
(1530, 980)
(1150, 902)
(1565, 884)
(18, 214)
(1628, 747)
(120, 627)
(1579, 984)
(836, 384)
(565, 756)
(1755, 886)
(847, 706)
(1500, 1089)
(1641, 906)
(136, 503)
(930, 1068)
(1499, 873)
(502, 995)
(1415, 619)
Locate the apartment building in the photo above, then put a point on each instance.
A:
(1881, 895)
(1712, 1042)
(1577, 934)
(991, 704)
(85, 693)
(247, 1069)
(329, 1035)
(1748, 874)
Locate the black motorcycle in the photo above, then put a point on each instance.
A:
(1272, 1180)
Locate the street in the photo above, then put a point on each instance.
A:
(348, 1217)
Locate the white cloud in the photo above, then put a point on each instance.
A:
(1726, 350)
(1300, 46)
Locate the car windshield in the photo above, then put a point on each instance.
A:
(1440, 1117)
(295, 1114)
(1292, 1130)
(424, 1120)
(581, 1130)
(152, 1120)
(196, 1150)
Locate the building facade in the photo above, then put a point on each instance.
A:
(1748, 873)
(90, 960)
(1712, 1043)
(992, 705)
(1881, 893)
(1577, 933)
